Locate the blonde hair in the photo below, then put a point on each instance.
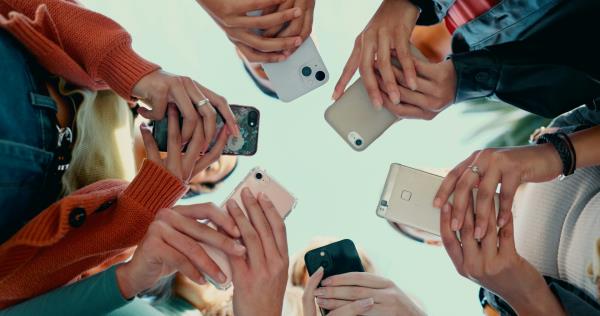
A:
(298, 273)
(104, 140)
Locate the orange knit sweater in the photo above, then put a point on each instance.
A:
(84, 47)
(93, 226)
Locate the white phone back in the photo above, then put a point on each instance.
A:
(356, 120)
(283, 201)
(407, 198)
(287, 78)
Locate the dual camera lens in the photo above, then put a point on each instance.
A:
(358, 142)
(307, 71)
(252, 118)
(258, 176)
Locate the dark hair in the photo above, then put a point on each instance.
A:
(208, 186)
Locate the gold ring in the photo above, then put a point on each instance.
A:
(475, 170)
(202, 103)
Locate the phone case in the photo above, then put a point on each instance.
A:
(300, 73)
(248, 119)
(407, 198)
(257, 181)
(356, 120)
(336, 258)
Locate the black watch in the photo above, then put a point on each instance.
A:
(565, 149)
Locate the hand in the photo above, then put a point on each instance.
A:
(183, 166)
(339, 291)
(159, 88)
(495, 264)
(436, 91)
(231, 16)
(388, 32)
(260, 278)
(298, 27)
(172, 243)
(508, 166)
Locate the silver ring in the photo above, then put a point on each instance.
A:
(202, 103)
(475, 170)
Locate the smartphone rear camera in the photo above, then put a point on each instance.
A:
(320, 75)
(252, 118)
(258, 176)
(306, 71)
(358, 142)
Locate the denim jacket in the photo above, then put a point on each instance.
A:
(537, 55)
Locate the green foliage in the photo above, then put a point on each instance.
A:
(512, 125)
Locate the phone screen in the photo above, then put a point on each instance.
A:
(248, 119)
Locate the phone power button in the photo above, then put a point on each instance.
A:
(406, 195)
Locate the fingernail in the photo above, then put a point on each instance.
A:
(326, 282)
(239, 249)
(395, 97)
(297, 12)
(321, 302)
(319, 271)
(298, 41)
(231, 204)
(477, 234)
(264, 197)
(454, 224)
(334, 96)
(378, 104)
(446, 209)
(437, 202)
(247, 192)
(236, 232)
(221, 277)
(319, 292)
(412, 84)
(501, 222)
(366, 302)
(280, 58)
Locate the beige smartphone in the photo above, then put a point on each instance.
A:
(407, 198)
(356, 120)
(258, 181)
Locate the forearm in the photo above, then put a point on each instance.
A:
(98, 293)
(586, 147)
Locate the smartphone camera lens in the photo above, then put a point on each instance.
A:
(252, 118)
(320, 75)
(306, 71)
(258, 176)
(358, 142)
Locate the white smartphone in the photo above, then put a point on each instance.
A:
(407, 198)
(300, 73)
(258, 181)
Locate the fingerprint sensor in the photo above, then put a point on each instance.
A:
(235, 143)
(405, 195)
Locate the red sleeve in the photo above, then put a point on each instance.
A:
(96, 43)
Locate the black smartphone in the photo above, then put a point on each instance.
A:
(248, 119)
(336, 258)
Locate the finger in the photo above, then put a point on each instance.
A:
(508, 190)
(463, 195)
(425, 86)
(308, 298)
(192, 250)
(274, 31)
(174, 138)
(255, 252)
(187, 109)
(347, 293)
(449, 183)
(223, 108)
(152, 152)
(407, 111)
(260, 223)
(214, 153)
(406, 61)
(247, 6)
(276, 222)
(348, 72)
(181, 263)
(507, 237)
(355, 308)
(200, 232)
(426, 102)
(259, 57)
(425, 69)
(158, 103)
(308, 20)
(469, 245)
(195, 147)
(485, 206)
(268, 44)
(384, 66)
(265, 21)
(331, 303)
(489, 243)
(367, 72)
(206, 112)
(211, 212)
(450, 240)
(362, 279)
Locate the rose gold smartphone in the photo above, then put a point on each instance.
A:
(407, 198)
(258, 181)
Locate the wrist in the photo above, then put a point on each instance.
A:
(553, 164)
(125, 282)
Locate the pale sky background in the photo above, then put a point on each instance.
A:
(337, 188)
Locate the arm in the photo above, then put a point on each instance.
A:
(516, 74)
(98, 293)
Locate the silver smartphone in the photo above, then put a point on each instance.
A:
(407, 198)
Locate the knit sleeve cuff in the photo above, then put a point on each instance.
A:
(154, 187)
(477, 75)
(122, 68)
